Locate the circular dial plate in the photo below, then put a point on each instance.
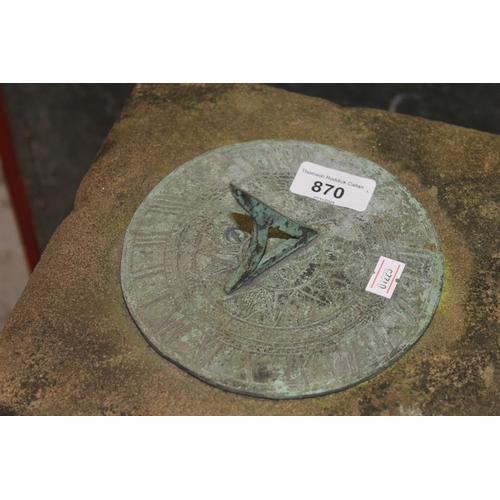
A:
(304, 327)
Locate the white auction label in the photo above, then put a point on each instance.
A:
(333, 186)
(384, 278)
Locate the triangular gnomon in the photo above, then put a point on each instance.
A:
(264, 217)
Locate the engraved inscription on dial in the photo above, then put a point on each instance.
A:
(310, 286)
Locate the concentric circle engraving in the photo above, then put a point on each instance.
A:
(304, 327)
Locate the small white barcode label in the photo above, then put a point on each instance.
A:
(384, 278)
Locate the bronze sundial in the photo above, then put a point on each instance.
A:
(263, 291)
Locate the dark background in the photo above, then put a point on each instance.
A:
(56, 129)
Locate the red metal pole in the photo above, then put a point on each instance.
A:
(17, 190)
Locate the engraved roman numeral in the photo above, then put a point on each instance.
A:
(410, 277)
(248, 366)
(404, 306)
(154, 300)
(416, 253)
(170, 206)
(146, 238)
(207, 350)
(245, 162)
(286, 162)
(171, 329)
(148, 271)
(377, 339)
(296, 363)
(399, 313)
(416, 242)
(328, 354)
(175, 329)
(277, 165)
(346, 361)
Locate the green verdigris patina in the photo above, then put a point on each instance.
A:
(263, 218)
(303, 327)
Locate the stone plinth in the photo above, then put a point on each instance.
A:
(71, 347)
